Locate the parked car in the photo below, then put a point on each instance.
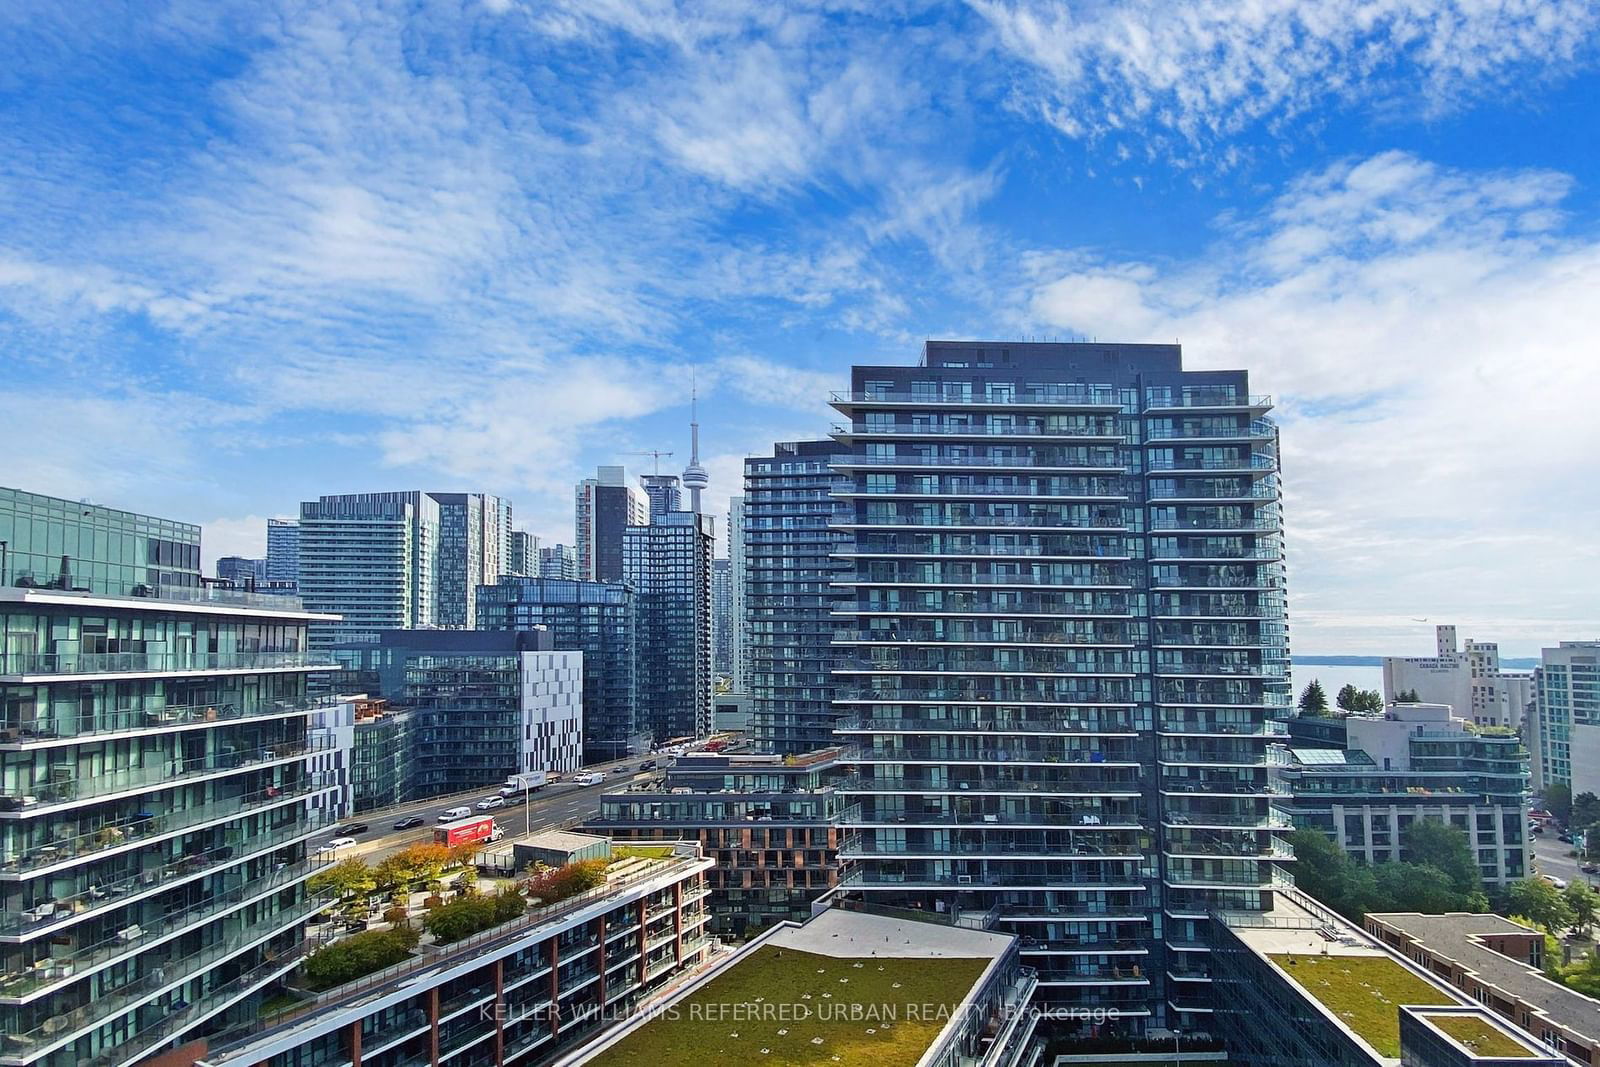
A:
(1559, 883)
(409, 821)
(1537, 829)
(1564, 837)
(490, 803)
(1589, 868)
(336, 843)
(352, 830)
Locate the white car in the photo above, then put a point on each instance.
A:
(336, 843)
(490, 803)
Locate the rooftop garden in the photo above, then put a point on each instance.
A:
(781, 1007)
(1365, 992)
(1479, 1036)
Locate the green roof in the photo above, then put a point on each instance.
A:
(1364, 992)
(780, 1007)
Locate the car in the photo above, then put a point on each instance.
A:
(336, 843)
(1537, 829)
(648, 765)
(1566, 838)
(409, 821)
(1559, 883)
(490, 803)
(552, 777)
(1589, 868)
(452, 814)
(352, 830)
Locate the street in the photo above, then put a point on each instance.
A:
(557, 804)
(1550, 857)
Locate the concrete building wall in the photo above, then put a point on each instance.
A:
(552, 711)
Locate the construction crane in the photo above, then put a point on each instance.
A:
(654, 452)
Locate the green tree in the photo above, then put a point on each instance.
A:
(346, 879)
(1368, 700)
(1313, 701)
(1585, 811)
(1432, 843)
(1407, 696)
(1583, 901)
(1558, 801)
(1540, 901)
(1323, 870)
(1416, 887)
(1347, 697)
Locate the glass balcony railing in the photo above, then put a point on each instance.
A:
(1107, 433)
(1045, 522)
(1262, 490)
(69, 724)
(1038, 723)
(1024, 462)
(1088, 396)
(1228, 399)
(1089, 547)
(161, 973)
(910, 635)
(137, 831)
(67, 909)
(1100, 817)
(84, 663)
(1256, 430)
(864, 876)
(1254, 462)
(1077, 783)
(166, 774)
(55, 971)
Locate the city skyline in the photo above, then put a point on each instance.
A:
(457, 262)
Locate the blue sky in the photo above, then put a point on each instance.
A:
(255, 252)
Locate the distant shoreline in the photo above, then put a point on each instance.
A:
(1512, 663)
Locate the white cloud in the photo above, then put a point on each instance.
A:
(1204, 69)
(1429, 339)
(233, 536)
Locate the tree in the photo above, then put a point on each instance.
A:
(346, 879)
(1314, 701)
(1347, 697)
(1585, 811)
(1323, 870)
(1434, 844)
(1583, 901)
(1558, 802)
(1540, 901)
(1407, 696)
(1368, 700)
(1415, 887)
(422, 862)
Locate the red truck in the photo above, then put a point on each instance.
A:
(462, 831)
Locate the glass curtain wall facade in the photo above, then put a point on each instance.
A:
(283, 552)
(474, 550)
(604, 506)
(50, 543)
(156, 798)
(595, 618)
(669, 565)
(1568, 696)
(371, 559)
(1063, 638)
(793, 552)
(722, 618)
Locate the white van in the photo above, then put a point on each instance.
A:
(590, 778)
(455, 813)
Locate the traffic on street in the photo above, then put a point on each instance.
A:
(375, 834)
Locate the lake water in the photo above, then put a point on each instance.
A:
(1333, 678)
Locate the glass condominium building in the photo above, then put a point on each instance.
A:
(1062, 642)
(792, 554)
(47, 542)
(668, 563)
(155, 804)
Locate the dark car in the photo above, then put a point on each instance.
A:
(1589, 868)
(1567, 838)
(409, 821)
(648, 765)
(351, 830)
(1538, 829)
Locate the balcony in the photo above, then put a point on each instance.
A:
(1096, 434)
(1231, 820)
(1077, 785)
(64, 728)
(1096, 818)
(60, 912)
(1032, 724)
(1209, 524)
(1254, 464)
(1107, 492)
(137, 832)
(1124, 853)
(1024, 462)
(968, 636)
(56, 971)
(970, 695)
(1258, 430)
(160, 974)
(1010, 398)
(1215, 401)
(45, 797)
(981, 522)
(1254, 491)
(46, 666)
(863, 877)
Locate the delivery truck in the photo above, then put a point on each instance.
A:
(530, 782)
(464, 831)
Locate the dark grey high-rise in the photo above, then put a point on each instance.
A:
(793, 551)
(595, 618)
(1065, 636)
(669, 565)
